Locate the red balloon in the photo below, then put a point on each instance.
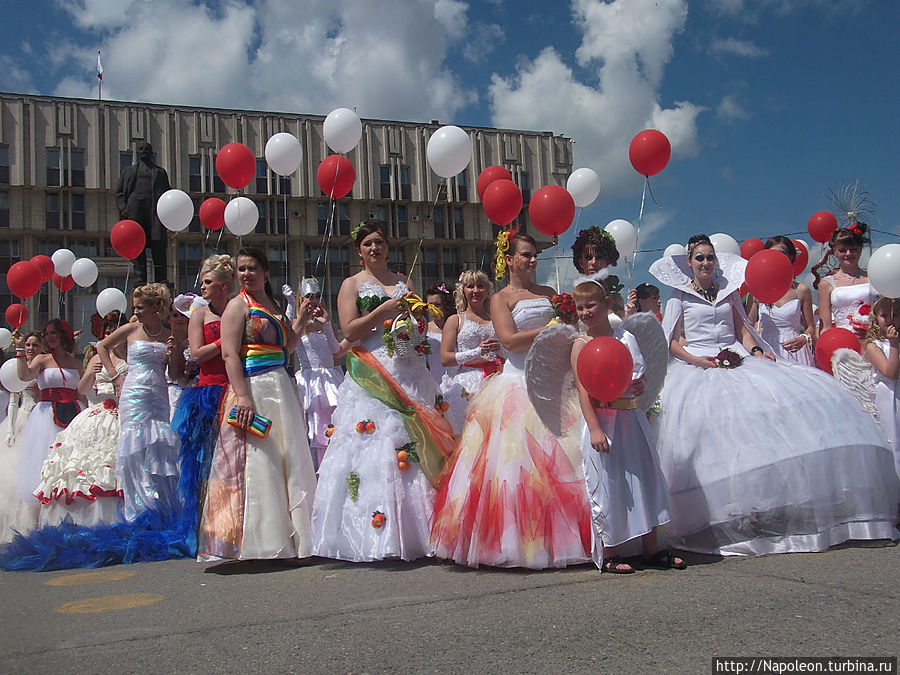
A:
(63, 283)
(821, 225)
(488, 176)
(552, 210)
(830, 341)
(128, 239)
(751, 246)
(802, 258)
(604, 368)
(502, 201)
(212, 213)
(45, 264)
(24, 279)
(769, 275)
(649, 152)
(16, 315)
(236, 165)
(336, 176)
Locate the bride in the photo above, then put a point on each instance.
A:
(759, 457)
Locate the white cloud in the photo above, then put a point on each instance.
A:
(735, 47)
(482, 42)
(730, 109)
(388, 59)
(625, 47)
(13, 78)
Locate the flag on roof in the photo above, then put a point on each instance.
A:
(99, 67)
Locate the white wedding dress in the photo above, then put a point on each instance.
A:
(763, 458)
(462, 382)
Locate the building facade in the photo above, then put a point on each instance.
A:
(60, 159)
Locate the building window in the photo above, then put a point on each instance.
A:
(431, 269)
(272, 214)
(452, 265)
(4, 208)
(401, 222)
(322, 217)
(525, 186)
(9, 254)
(462, 188)
(53, 213)
(405, 185)
(278, 256)
(344, 220)
(381, 216)
(459, 223)
(284, 184)
(195, 177)
(384, 181)
(4, 165)
(126, 159)
(195, 225)
(53, 167)
(440, 218)
(76, 168)
(398, 259)
(190, 257)
(330, 273)
(77, 211)
(484, 259)
(262, 177)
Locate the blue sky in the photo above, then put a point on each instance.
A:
(768, 103)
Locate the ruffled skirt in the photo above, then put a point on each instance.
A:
(458, 388)
(516, 494)
(318, 390)
(626, 489)
(769, 458)
(260, 491)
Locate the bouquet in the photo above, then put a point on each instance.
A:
(407, 334)
(728, 358)
(860, 318)
(564, 309)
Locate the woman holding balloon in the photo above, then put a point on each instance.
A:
(811, 469)
(515, 496)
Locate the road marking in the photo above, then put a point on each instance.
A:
(98, 577)
(109, 604)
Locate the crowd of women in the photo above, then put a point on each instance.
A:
(183, 434)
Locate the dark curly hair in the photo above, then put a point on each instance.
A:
(696, 240)
(855, 235)
(365, 229)
(597, 241)
(786, 242)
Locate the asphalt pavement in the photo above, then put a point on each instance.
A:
(431, 616)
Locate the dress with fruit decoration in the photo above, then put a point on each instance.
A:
(516, 493)
(368, 505)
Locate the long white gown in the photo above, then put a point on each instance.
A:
(318, 380)
(780, 324)
(763, 458)
(360, 474)
(14, 508)
(460, 383)
(888, 405)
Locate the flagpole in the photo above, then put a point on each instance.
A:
(99, 77)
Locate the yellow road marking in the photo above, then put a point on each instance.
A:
(109, 604)
(98, 577)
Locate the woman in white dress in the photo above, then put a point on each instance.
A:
(469, 350)
(441, 297)
(377, 481)
(882, 350)
(845, 290)
(787, 326)
(758, 458)
(516, 495)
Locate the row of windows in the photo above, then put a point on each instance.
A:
(65, 168)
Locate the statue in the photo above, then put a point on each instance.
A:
(137, 191)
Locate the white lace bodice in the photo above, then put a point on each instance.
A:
(316, 349)
(527, 314)
(845, 300)
(471, 334)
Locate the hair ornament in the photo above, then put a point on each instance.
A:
(355, 231)
(502, 247)
(595, 278)
(309, 286)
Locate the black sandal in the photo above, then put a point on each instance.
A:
(611, 565)
(663, 559)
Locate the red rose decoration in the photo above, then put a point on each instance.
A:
(864, 310)
(109, 403)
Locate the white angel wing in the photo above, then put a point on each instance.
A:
(648, 332)
(548, 375)
(855, 373)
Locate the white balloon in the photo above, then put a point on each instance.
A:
(175, 210)
(625, 235)
(5, 338)
(241, 216)
(109, 300)
(342, 129)
(584, 186)
(10, 378)
(884, 270)
(674, 249)
(284, 153)
(449, 151)
(725, 243)
(84, 272)
(62, 261)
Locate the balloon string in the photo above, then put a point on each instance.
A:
(205, 242)
(219, 239)
(556, 264)
(284, 260)
(437, 196)
(329, 226)
(121, 314)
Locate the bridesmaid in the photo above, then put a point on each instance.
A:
(259, 496)
(843, 291)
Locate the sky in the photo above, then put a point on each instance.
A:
(768, 104)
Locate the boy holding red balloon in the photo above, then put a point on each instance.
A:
(626, 489)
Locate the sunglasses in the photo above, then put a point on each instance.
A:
(710, 257)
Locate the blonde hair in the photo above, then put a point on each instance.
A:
(467, 277)
(875, 331)
(157, 294)
(222, 266)
(590, 289)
